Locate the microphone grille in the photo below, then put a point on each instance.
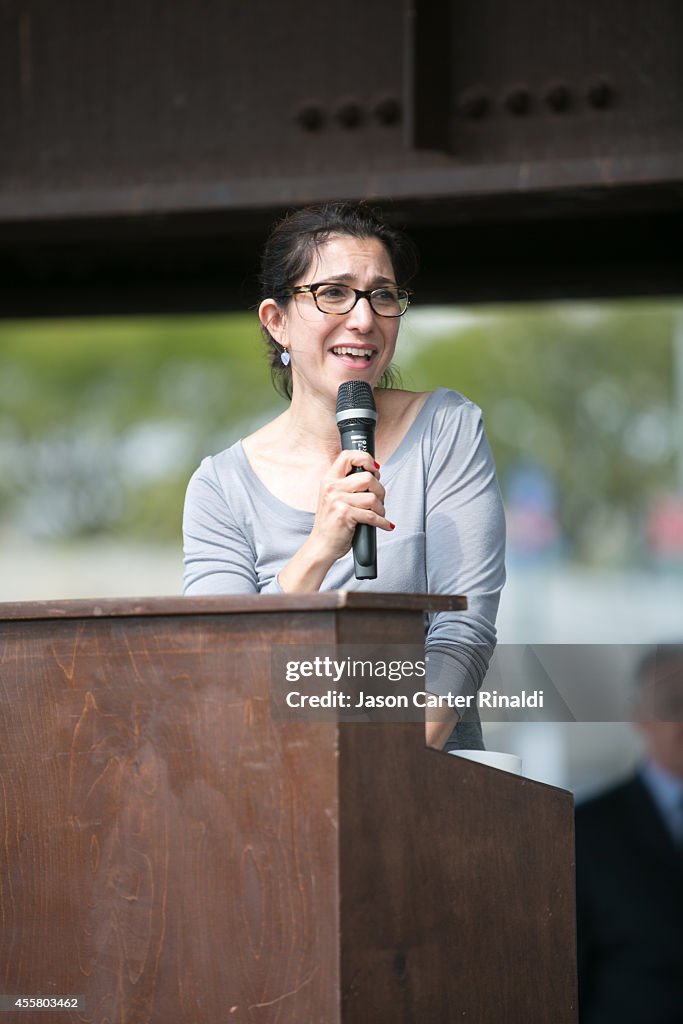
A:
(355, 394)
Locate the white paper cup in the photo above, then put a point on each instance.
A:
(494, 759)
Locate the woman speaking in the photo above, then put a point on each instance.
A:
(277, 512)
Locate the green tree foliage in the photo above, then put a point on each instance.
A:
(103, 421)
(585, 392)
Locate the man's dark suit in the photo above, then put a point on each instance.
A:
(630, 911)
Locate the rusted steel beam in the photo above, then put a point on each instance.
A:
(144, 148)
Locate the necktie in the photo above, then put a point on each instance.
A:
(677, 822)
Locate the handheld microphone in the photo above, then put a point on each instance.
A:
(356, 418)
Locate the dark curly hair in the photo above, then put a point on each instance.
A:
(291, 247)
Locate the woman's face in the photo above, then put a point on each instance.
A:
(327, 349)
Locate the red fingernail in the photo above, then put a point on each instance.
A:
(377, 465)
(392, 525)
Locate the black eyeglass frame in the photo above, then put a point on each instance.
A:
(303, 289)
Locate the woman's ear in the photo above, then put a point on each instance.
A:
(274, 319)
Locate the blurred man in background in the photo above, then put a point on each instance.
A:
(629, 844)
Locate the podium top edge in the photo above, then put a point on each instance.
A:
(243, 604)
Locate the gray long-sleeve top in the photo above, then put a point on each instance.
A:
(442, 493)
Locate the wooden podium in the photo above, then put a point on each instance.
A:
(174, 855)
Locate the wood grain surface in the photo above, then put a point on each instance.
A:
(176, 856)
(457, 886)
(169, 851)
(244, 604)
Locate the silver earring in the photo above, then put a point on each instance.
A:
(285, 357)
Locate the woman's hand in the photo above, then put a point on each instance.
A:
(345, 499)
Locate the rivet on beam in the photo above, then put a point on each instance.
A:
(600, 93)
(388, 111)
(518, 100)
(350, 115)
(474, 103)
(311, 118)
(558, 96)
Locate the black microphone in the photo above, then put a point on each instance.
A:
(356, 417)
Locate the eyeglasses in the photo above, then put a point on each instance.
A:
(338, 299)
